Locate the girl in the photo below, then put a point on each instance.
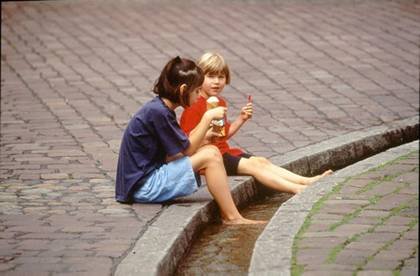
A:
(236, 162)
(157, 160)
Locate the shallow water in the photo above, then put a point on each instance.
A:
(222, 249)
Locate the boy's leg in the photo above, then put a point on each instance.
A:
(208, 158)
(265, 175)
(288, 175)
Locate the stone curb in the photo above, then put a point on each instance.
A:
(272, 253)
(160, 248)
(166, 240)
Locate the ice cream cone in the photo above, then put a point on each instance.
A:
(218, 125)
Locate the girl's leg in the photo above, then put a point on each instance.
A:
(208, 158)
(288, 175)
(262, 172)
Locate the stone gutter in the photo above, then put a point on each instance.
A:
(161, 247)
(272, 254)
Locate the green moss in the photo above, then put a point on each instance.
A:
(297, 269)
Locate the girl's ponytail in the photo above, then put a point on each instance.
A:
(178, 71)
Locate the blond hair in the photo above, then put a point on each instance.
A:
(214, 63)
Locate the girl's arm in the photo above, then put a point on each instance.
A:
(198, 135)
(245, 115)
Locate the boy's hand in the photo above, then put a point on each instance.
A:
(216, 113)
(246, 112)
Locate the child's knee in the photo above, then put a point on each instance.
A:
(260, 162)
(212, 152)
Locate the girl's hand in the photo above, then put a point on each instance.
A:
(211, 136)
(216, 113)
(246, 112)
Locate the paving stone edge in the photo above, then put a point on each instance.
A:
(163, 244)
(269, 258)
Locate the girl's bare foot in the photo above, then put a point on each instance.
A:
(239, 221)
(317, 177)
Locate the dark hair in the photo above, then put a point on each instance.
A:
(178, 71)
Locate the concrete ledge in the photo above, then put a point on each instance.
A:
(160, 248)
(166, 240)
(273, 249)
(338, 152)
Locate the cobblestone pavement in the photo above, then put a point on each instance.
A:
(368, 224)
(72, 73)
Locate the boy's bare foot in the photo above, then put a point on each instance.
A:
(318, 177)
(239, 221)
(327, 172)
(299, 189)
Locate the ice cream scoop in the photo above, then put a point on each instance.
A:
(212, 102)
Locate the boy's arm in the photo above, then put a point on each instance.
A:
(245, 115)
(235, 126)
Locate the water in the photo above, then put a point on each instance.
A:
(222, 249)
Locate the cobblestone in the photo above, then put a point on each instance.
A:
(378, 246)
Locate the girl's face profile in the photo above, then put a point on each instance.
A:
(194, 95)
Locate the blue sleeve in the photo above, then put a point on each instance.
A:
(171, 136)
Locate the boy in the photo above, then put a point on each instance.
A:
(217, 75)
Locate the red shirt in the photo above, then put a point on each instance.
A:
(192, 116)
